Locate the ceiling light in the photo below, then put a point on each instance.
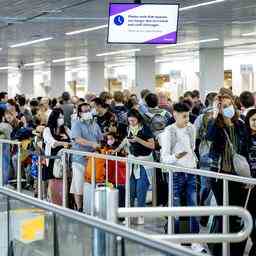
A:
(117, 52)
(86, 30)
(6, 68)
(249, 34)
(69, 59)
(200, 5)
(171, 60)
(31, 42)
(189, 43)
(34, 64)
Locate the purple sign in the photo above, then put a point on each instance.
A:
(143, 23)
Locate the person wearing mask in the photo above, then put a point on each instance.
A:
(140, 143)
(250, 149)
(87, 135)
(247, 102)
(104, 117)
(55, 136)
(68, 109)
(226, 127)
(203, 148)
(177, 148)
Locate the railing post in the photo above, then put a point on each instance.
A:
(93, 185)
(65, 180)
(225, 222)
(1, 166)
(170, 202)
(39, 178)
(19, 168)
(127, 189)
(154, 188)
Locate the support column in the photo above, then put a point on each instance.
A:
(4, 81)
(27, 83)
(96, 79)
(57, 81)
(145, 73)
(211, 70)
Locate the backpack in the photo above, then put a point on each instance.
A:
(121, 116)
(157, 121)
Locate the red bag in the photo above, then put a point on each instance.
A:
(55, 191)
(117, 168)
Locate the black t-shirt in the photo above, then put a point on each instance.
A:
(136, 148)
(252, 155)
(106, 121)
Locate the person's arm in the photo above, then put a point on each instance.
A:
(48, 139)
(150, 143)
(121, 146)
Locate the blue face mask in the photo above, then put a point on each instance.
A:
(229, 112)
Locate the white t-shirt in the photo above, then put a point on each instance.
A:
(183, 144)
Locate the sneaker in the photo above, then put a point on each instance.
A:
(140, 221)
(198, 248)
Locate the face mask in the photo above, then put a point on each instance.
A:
(60, 122)
(110, 142)
(94, 113)
(229, 112)
(86, 116)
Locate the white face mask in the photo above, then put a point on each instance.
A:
(86, 116)
(60, 122)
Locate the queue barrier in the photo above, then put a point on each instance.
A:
(170, 169)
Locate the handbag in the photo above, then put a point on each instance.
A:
(58, 169)
(240, 163)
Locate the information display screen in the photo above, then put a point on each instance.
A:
(143, 23)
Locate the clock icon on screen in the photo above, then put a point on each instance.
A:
(119, 20)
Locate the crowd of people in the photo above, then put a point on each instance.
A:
(189, 133)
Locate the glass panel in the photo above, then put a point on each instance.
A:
(73, 238)
(30, 230)
(134, 249)
(3, 225)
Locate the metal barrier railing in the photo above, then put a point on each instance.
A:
(138, 238)
(2, 156)
(195, 211)
(164, 167)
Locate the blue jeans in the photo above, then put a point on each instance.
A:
(186, 183)
(139, 188)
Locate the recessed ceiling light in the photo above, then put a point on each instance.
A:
(86, 30)
(189, 43)
(117, 52)
(34, 64)
(69, 59)
(6, 68)
(200, 5)
(31, 42)
(249, 34)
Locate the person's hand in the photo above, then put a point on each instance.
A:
(95, 145)
(132, 139)
(112, 129)
(180, 155)
(65, 144)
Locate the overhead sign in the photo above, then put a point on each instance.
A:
(143, 23)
